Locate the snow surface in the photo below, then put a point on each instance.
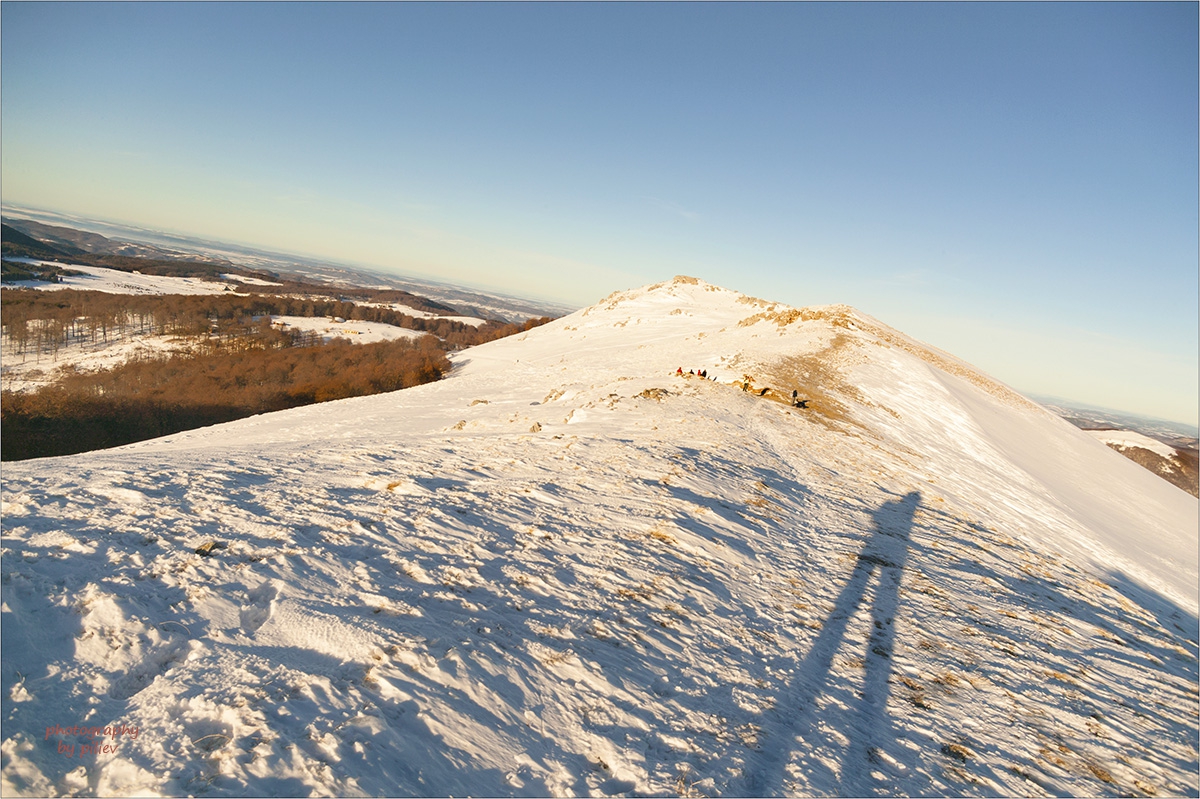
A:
(417, 313)
(248, 281)
(114, 281)
(1128, 438)
(355, 330)
(566, 570)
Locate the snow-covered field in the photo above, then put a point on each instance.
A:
(248, 281)
(353, 330)
(31, 371)
(114, 281)
(1128, 438)
(566, 570)
(417, 313)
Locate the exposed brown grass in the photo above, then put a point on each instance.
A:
(1100, 773)
(818, 377)
(956, 751)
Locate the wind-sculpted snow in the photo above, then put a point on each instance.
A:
(565, 569)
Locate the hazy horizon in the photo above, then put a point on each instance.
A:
(1013, 183)
(114, 227)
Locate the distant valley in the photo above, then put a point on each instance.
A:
(69, 235)
(1168, 449)
(103, 348)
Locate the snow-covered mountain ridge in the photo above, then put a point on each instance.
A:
(565, 569)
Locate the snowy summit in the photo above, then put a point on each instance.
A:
(574, 567)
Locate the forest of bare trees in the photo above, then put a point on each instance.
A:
(156, 396)
(44, 322)
(239, 364)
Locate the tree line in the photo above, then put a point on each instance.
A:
(13, 271)
(44, 322)
(152, 397)
(240, 364)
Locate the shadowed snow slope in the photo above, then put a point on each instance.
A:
(566, 570)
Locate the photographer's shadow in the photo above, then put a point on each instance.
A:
(880, 562)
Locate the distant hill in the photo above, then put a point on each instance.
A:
(29, 239)
(1168, 449)
(65, 239)
(1090, 417)
(89, 248)
(14, 242)
(128, 241)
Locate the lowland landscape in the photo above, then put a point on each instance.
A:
(680, 542)
(114, 355)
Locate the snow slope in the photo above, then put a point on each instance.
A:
(1122, 439)
(417, 313)
(354, 330)
(115, 281)
(248, 281)
(566, 570)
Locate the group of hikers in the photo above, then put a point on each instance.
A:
(745, 384)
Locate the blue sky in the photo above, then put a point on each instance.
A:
(1015, 183)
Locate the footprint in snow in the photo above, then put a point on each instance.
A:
(261, 607)
(156, 663)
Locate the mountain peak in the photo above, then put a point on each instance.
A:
(703, 309)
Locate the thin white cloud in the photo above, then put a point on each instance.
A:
(674, 208)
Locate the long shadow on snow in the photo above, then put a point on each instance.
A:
(1169, 615)
(1125, 640)
(721, 467)
(732, 511)
(883, 556)
(1029, 591)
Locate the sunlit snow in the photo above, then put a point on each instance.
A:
(567, 569)
(416, 313)
(354, 330)
(249, 281)
(114, 281)
(1128, 438)
(30, 371)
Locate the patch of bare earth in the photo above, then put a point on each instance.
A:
(820, 378)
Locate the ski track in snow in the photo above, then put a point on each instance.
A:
(540, 576)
